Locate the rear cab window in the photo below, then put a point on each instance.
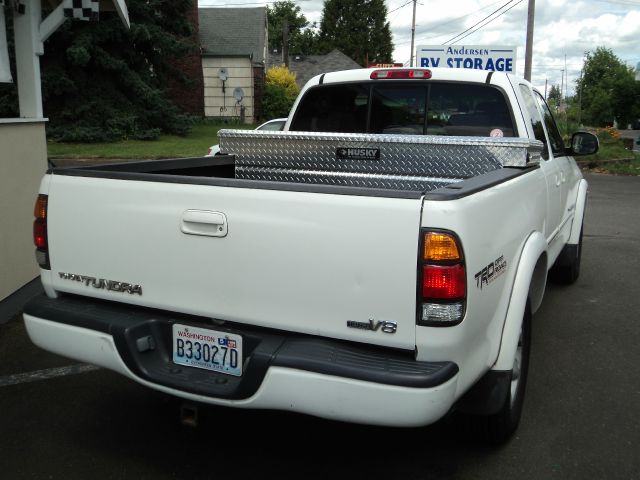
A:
(409, 109)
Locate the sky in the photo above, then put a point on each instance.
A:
(564, 30)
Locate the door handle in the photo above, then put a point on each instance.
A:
(557, 178)
(205, 223)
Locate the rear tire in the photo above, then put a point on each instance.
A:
(566, 269)
(496, 429)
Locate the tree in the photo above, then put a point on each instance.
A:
(9, 107)
(555, 95)
(280, 91)
(103, 82)
(301, 33)
(307, 43)
(358, 28)
(608, 90)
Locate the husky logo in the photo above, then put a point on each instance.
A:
(374, 325)
(358, 153)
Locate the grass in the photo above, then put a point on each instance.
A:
(626, 166)
(196, 144)
(612, 158)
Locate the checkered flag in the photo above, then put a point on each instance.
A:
(82, 9)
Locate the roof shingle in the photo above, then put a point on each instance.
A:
(233, 32)
(308, 66)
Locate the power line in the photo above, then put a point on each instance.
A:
(474, 25)
(401, 6)
(460, 37)
(398, 11)
(452, 21)
(467, 15)
(494, 18)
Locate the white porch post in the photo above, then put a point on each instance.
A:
(28, 49)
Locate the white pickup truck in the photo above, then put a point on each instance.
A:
(378, 261)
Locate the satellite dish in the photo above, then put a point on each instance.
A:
(223, 74)
(238, 93)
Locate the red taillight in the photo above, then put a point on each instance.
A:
(405, 73)
(40, 234)
(40, 231)
(443, 282)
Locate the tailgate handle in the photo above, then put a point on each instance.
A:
(204, 222)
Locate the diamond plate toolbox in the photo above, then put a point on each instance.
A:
(401, 162)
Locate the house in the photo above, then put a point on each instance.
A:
(233, 44)
(308, 66)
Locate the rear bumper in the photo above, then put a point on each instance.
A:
(325, 378)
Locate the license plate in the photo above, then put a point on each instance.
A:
(207, 349)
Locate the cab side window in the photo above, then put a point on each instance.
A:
(555, 139)
(535, 118)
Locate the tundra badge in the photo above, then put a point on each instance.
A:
(102, 283)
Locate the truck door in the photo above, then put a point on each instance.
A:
(568, 182)
(549, 164)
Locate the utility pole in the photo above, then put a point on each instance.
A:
(529, 47)
(566, 76)
(285, 43)
(413, 31)
(580, 98)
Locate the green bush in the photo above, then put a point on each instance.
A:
(82, 134)
(280, 92)
(119, 126)
(150, 134)
(281, 75)
(275, 101)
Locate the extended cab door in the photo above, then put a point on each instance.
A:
(549, 164)
(568, 175)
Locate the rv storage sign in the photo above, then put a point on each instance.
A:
(477, 57)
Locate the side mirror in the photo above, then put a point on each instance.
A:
(584, 143)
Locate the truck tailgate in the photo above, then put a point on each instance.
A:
(297, 261)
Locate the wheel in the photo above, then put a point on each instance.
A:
(497, 428)
(566, 269)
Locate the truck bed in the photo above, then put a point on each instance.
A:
(377, 165)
